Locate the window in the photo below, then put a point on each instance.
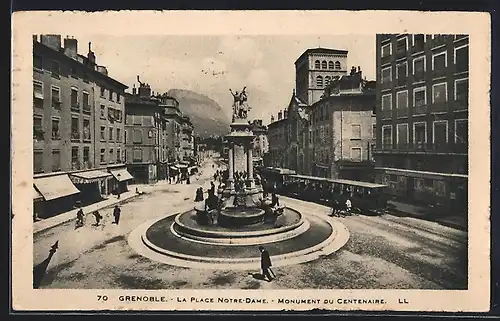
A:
(402, 135)
(111, 155)
(439, 93)
(111, 95)
(111, 137)
(137, 155)
(402, 99)
(319, 81)
(86, 156)
(125, 136)
(37, 90)
(74, 97)
(37, 127)
(103, 133)
(327, 80)
(356, 154)
(356, 131)
(75, 158)
(330, 65)
(118, 97)
(386, 75)
(419, 65)
(461, 131)
(56, 134)
(137, 136)
(317, 64)
(86, 103)
(37, 161)
(387, 102)
(386, 50)
(462, 89)
(118, 135)
(401, 70)
(387, 136)
(419, 134)
(37, 62)
(86, 130)
(419, 97)
(401, 45)
(150, 133)
(118, 155)
(75, 128)
(440, 133)
(103, 155)
(439, 61)
(56, 97)
(103, 92)
(462, 58)
(103, 111)
(337, 65)
(324, 64)
(374, 131)
(418, 42)
(56, 160)
(54, 69)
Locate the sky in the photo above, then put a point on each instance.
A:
(210, 65)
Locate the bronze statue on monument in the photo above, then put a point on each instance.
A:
(240, 105)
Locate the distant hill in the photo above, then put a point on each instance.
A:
(206, 115)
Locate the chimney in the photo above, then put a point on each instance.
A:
(52, 41)
(134, 92)
(71, 47)
(272, 118)
(285, 114)
(103, 70)
(91, 55)
(280, 114)
(144, 90)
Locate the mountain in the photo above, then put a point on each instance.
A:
(206, 115)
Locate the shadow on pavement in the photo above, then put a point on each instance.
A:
(40, 270)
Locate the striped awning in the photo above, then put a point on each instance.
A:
(89, 177)
(53, 187)
(121, 174)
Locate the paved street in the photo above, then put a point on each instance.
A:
(382, 252)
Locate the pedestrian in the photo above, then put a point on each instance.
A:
(188, 181)
(79, 217)
(116, 214)
(212, 188)
(199, 195)
(348, 205)
(265, 264)
(98, 217)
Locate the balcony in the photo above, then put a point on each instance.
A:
(419, 110)
(461, 104)
(86, 108)
(401, 53)
(439, 107)
(38, 134)
(75, 107)
(75, 136)
(76, 165)
(437, 73)
(401, 112)
(56, 104)
(419, 76)
(424, 148)
(386, 113)
(56, 135)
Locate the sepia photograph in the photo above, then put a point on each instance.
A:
(271, 164)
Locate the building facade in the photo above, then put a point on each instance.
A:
(277, 132)
(66, 145)
(186, 140)
(260, 143)
(422, 117)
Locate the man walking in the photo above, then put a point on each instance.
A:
(265, 264)
(116, 214)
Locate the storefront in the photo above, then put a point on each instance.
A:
(92, 185)
(121, 178)
(58, 192)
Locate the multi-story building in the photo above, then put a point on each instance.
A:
(422, 117)
(277, 135)
(186, 140)
(343, 124)
(298, 136)
(173, 116)
(260, 143)
(66, 88)
(146, 135)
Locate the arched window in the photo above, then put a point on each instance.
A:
(327, 80)
(337, 65)
(330, 65)
(319, 81)
(323, 64)
(317, 64)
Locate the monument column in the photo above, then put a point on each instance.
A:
(230, 157)
(250, 164)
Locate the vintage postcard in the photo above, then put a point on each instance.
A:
(239, 160)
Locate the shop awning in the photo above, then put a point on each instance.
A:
(53, 187)
(174, 168)
(89, 176)
(36, 195)
(181, 166)
(121, 174)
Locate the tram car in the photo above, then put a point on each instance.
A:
(273, 179)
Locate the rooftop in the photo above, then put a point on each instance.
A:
(322, 51)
